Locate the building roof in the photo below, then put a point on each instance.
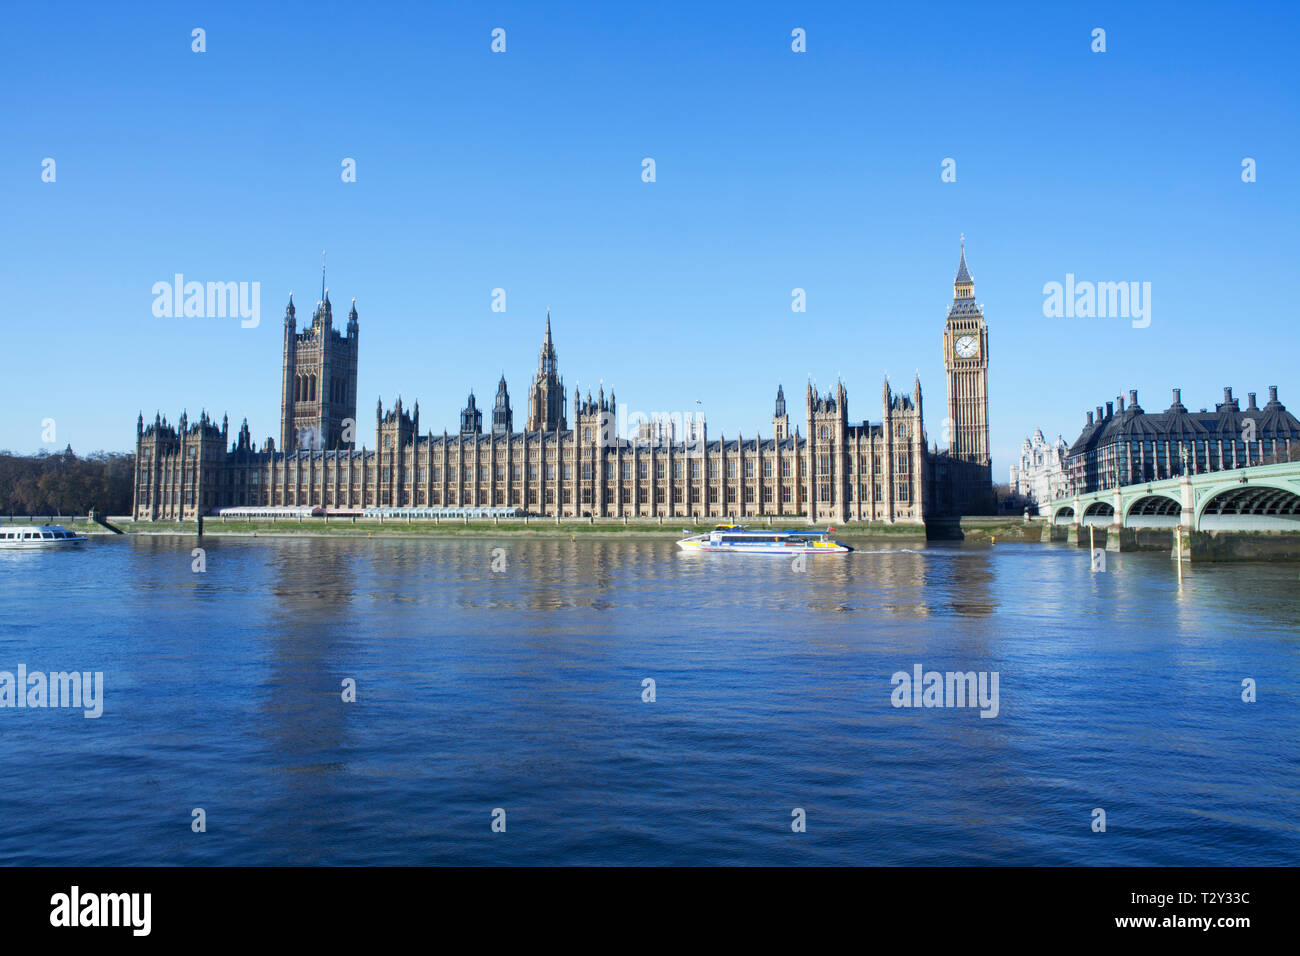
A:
(1228, 422)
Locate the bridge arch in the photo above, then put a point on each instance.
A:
(1153, 511)
(1100, 513)
(1251, 506)
(1063, 515)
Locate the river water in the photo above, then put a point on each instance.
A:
(513, 680)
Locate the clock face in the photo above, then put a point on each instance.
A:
(967, 347)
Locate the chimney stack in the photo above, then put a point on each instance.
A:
(1272, 393)
(1110, 409)
(1252, 399)
(1132, 396)
(1227, 396)
(1119, 401)
(1090, 418)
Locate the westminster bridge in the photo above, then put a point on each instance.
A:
(1210, 515)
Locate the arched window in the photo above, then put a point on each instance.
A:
(311, 389)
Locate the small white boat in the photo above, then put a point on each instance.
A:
(23, 536)
(735, 539)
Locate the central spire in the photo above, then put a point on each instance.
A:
(546, 397)
(546, 360)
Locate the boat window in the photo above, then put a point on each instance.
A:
(47, 535)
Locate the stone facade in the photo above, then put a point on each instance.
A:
(318, 389)
(1041, 475)
(841, 471)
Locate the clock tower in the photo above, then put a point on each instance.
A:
(966, 359)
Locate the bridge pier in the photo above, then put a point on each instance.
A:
(1121, 539)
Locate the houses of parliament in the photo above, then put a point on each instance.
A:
(567, 460)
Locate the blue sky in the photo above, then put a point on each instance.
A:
(522, 170)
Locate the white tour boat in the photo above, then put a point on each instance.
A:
(19, 536)
(735, 539)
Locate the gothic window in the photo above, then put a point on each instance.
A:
(659, 470)
(311, 397)
(824, 432)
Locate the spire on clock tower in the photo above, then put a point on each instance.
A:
(963, 284)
